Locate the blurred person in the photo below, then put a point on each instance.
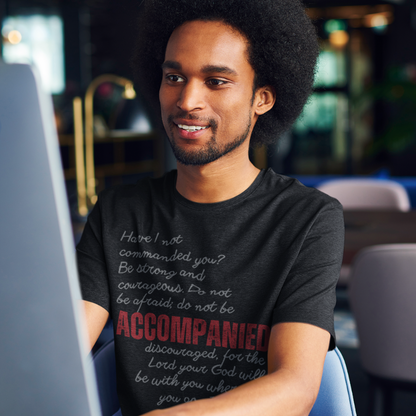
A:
(220, 278)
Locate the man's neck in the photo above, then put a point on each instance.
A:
(217, 181)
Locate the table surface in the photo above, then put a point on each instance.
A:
(368, 228)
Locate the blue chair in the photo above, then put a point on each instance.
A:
(334, 398)
(335, 395)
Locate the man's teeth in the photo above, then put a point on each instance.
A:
(191, 128)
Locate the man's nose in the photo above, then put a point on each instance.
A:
(192, 97)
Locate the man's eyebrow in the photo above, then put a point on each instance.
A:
(171, 65)
(208, 69)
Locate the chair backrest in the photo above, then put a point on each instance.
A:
(382, 295)
(335, 395)
(368, 194)
(334, 398)
(105, 370)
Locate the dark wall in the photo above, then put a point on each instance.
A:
(113, 34)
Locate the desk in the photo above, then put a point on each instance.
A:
(368, 228)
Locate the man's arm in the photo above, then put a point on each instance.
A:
(95, 317)
(295, 359)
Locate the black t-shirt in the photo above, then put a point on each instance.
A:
(194, 289)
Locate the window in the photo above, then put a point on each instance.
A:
(36, 40)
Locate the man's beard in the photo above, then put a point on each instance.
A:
(211, 151)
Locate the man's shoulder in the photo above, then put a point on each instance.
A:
(291, 189)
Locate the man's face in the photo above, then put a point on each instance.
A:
(206, 94)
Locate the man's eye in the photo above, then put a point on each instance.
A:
(174, 78)
(216, 82)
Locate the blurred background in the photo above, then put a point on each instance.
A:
(360, 121)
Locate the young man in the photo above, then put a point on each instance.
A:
(220, 278)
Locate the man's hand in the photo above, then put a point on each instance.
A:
(295, 363)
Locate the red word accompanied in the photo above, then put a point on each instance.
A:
(193, 331)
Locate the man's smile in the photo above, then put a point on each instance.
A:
(191, 128)
(190, 131)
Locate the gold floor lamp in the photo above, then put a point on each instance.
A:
(84, 151)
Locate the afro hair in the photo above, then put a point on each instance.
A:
(283, 49)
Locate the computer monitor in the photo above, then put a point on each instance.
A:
(44, 363)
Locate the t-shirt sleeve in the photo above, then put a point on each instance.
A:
(92, 268)
(308, 294)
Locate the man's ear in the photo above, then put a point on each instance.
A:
(265, 99)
